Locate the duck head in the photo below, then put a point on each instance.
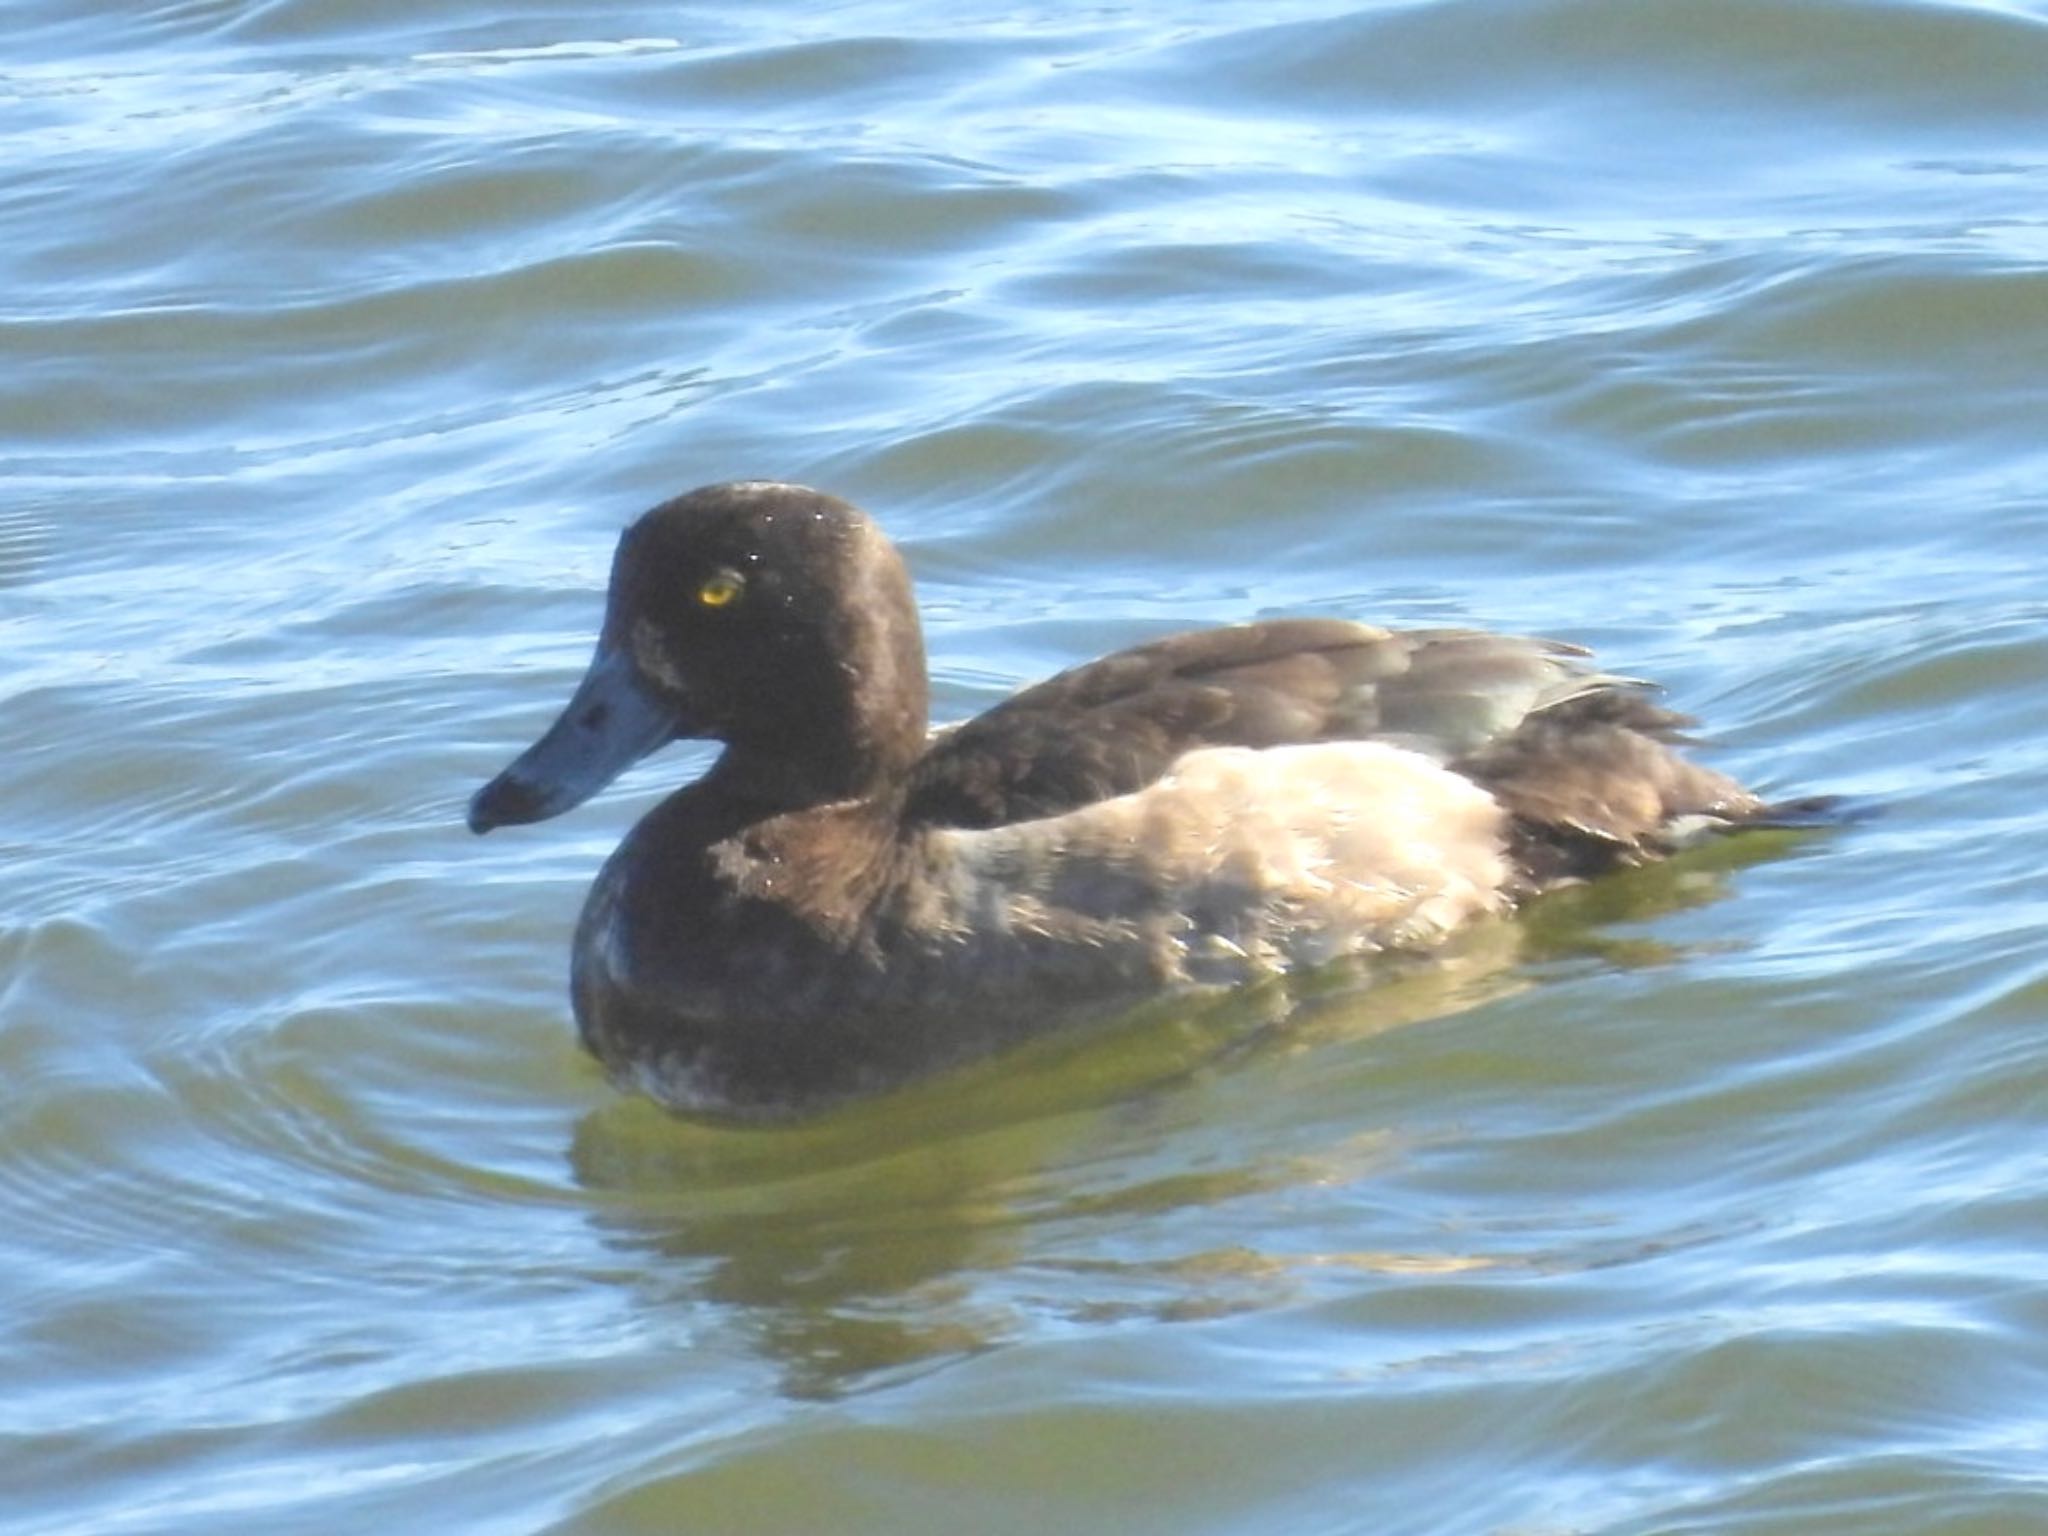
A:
(770, 617)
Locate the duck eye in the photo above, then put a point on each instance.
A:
(721, 589)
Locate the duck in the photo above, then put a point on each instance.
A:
(847, 902)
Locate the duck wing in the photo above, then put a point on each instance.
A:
(1113, 726)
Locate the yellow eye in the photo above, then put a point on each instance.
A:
(721, 589)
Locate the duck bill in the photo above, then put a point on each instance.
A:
(611, 722)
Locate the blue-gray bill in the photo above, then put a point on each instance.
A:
(611, 722)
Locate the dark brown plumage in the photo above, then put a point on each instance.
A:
(843, 904)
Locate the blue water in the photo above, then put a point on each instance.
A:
(339, 340)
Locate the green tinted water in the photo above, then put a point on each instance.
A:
(342, 338)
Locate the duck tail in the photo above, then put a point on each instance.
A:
(1807, 813)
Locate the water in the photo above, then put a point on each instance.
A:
(342, 337)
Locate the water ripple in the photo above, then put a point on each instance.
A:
(343, 339)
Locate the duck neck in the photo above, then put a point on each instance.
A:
(856, 735)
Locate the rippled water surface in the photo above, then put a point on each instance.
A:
(342, 335)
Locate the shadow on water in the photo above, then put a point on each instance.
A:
(951, 1217)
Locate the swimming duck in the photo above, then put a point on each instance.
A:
(845, 902)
